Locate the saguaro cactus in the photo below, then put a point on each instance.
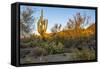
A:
(42, 25)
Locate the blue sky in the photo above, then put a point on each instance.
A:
(59, 15)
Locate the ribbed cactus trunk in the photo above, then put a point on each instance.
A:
(42, 26)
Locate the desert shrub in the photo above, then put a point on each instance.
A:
(69, 42)
(45, 45)
(56, 48)
(32, 43)
(78, 42)
(91, 37)
(84, 54)
(36, 44)
(38, 51)
(59, 48)
(24, 45)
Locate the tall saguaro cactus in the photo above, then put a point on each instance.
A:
(42, 25)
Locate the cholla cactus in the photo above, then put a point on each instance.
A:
(42, 25)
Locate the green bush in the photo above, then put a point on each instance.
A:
(32, 43)
(27, 45)
(56, 48)
(84, 54)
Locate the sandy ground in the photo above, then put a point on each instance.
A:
(48, 58)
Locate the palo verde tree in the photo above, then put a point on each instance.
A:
(26, 21)
(77, 21)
